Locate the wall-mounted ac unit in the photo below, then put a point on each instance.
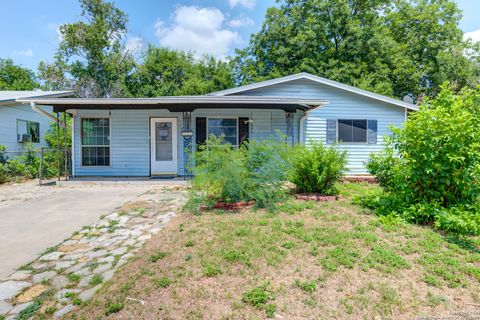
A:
(24, 138)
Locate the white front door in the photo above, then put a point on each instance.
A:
(163, 140)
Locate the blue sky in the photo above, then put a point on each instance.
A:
(28, 32)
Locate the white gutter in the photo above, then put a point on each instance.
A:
(45, 113)
(41, 111)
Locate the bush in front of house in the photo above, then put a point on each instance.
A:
(317, 168)
(254, 171)
(430, 170)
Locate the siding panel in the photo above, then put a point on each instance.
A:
(342, 104)
(8, 125)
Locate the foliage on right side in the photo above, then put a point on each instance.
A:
(430, 170)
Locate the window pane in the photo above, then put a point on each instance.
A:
(225, 127)
(95, 156)
(95, 141)
(163, 141)
(345, 131)
(359, 130)
(95, 132)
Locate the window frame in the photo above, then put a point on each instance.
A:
(109, 141)
(352, 119)
(26, 128)
(237, 127)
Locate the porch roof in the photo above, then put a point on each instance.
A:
(178, 103)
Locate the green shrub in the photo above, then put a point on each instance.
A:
(3, 157)
(317, 168)
(255, 171)
(430, 170)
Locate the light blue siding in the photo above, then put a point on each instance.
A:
(130, 141)
(8, 125)
(342, 105)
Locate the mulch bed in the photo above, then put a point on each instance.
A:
(230, 206)
(315, 197)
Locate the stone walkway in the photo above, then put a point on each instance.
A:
(71, 273)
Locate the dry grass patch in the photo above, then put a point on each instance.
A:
(305, 260)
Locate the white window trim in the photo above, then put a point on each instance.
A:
(354, 143)
(109, 141)
(220, 117)
(39, 131)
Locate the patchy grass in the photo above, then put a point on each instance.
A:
(304, 260)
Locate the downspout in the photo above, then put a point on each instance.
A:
(42, 112)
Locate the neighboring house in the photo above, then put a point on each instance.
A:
(151, 136)
(20, 124)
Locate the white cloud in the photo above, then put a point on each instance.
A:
(56, 28)
(25, 53)
(199, 30)
(244, 3)
(474, 35)
(134, 44)
(241, 22)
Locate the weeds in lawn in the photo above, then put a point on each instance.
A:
(157, 256)
(72, 277)
(307, 286)
(113, 307)
(162, 282)
(29, 311)
(189, 243)
(211, 270)
(328, 252)
(259, 298)
(96, 280)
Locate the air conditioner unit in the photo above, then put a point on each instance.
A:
(24, 138)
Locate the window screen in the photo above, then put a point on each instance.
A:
(95, 136)
(224, 127)
(352, 130)
(28, 131)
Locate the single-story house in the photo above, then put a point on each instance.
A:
(20, 123)
(151, 136)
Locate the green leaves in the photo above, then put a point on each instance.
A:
(317, 168)
(436, 177)
(165, 72)
(13, 77)
(392, 47)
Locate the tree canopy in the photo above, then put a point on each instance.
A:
(91, 51)
(392, 47)
(14, 77)
(165, 72)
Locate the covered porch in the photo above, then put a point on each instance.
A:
(156, 136)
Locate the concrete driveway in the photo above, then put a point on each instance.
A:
(34, 218)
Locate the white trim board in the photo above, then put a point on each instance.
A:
(320, 80)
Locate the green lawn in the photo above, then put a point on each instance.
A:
(305, 260)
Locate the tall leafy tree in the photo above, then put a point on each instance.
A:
(393, 47)
(91, 52)
(14, 77)
(165, 72)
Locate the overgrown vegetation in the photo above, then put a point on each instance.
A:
(254, 171)
(25, 164)
(430, 171)
(258, 170)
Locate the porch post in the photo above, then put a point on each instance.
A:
(187, 142)
(289, 124)
(58, 146)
